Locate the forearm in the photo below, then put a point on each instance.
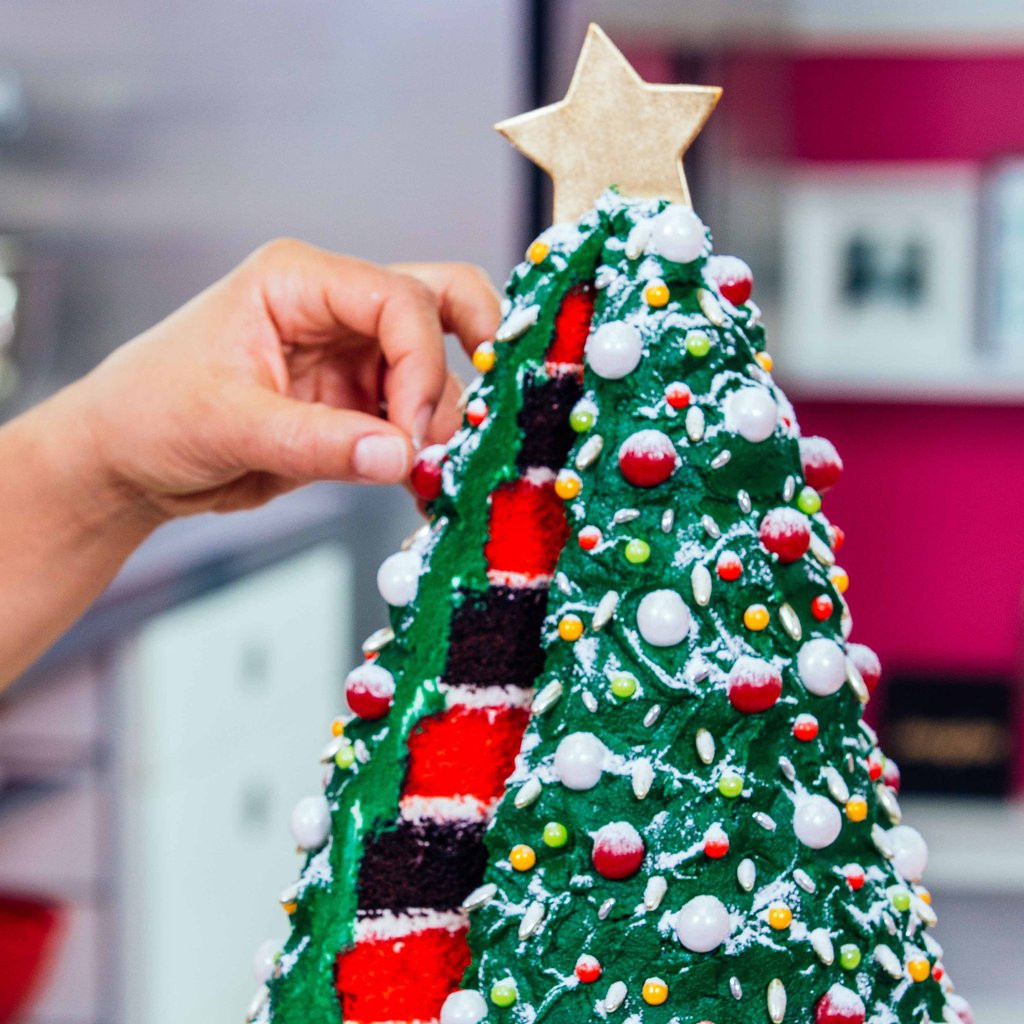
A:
(65, 527)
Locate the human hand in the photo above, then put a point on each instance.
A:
(277, 375)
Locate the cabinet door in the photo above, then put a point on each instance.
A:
(228, 703)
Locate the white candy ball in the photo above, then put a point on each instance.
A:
(264, 960)
(752, 413)
(910, 852)
(703, 924)
(464, 1006)
(678, 234)
(398, 577)
(614, 350)
(663, 618)
(579, 760)
(822, 666)
(311, 822)
(817, 822)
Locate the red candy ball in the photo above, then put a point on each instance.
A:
(753, 685)
(716, 842)
(729, 566)
(588, 969)
(369, 690)
(836, 536)
(855, 876)
(476, 412)
(805, 728)
(647, 458)
(822, 465)
(787, 533)
(589, 537)
(891, 774)
(866, 662)
(426, 472)
(821, 607)
(731, 276)
(618, 850)
(875, 765)
(840, 1005)
(678, 395)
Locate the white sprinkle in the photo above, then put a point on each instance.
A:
(694, 423)
(547, 698)
(721, 459)
(891, 806)
(856, 682)
(787, 769)
(790, 621)
(700, 581)
(888, 961)
(643, 777)
(528, 792)
(746, 874)
(606, 908)
(821, 551)
(257, 1003)
(776, 1000)
(710, 307)
(333, 746)
(378, 640)
(710, 527)
(518, 322)
(881, 841)
(636, 240)
(419, 534)
(744, 502)
(625, 515)
(668, 520)
(653, 714)
(589, 701)
(735, 987)
(654, 892)
(562, 582)
(605, 610)
(869, 732)
(531, 920)
(851, 764)
(925, 912)
(479, 896)
(789, 489)
(616, 996)
(605, 276)
(705, 746)
(890, 923)
(766, 821)
(698, 673)
(588, 453)
(837, 787)
(804, 880)
(821, 943)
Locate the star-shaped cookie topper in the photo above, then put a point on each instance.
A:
(612, 128)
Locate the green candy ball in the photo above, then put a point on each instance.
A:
(901, 899)
(698, 344)
(849, 957)
(808, 501)
(555, 834)
(503, 993)
(345, 757)
(730, 785)
(624, 685)
(583, 416)
(638, 551)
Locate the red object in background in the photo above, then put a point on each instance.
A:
(28, 933)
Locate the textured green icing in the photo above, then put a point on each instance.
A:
(630, 942)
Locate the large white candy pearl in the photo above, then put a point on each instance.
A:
(703, 924)
(678, 234)
(614, 350)
(579, 760)
(464, 1006)
(752, 413)
(816, 822)
(663, 618)
(910, 852)
(264, 960)
(822, 666)
(398, 577)
(311, 822)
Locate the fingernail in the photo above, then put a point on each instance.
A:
(420, 425)
(381, 458)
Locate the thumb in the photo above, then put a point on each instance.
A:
(311, 441)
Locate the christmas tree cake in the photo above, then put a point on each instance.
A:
(608, 762)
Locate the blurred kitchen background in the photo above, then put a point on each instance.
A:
(868, 162)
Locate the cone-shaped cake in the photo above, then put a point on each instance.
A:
(608, 762)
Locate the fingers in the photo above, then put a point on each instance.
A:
(448, 417)
(317, 297)
(308, 441)
(468, 304)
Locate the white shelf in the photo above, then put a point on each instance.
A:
(974, 845)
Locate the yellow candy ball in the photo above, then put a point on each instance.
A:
(655, 991)
(290, 907)
(567, 484)
(919, 969)
(522, 857)
(839, 579)
(337, 726)
(656, 294)
(856, 808)
(765, 361)
(570, 627)
(538, 252)
(756, 617)
(483, 357)
(780, 917)
(925, 896)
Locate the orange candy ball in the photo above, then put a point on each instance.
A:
(655, 991)
(483, 357)
(567, 484)
(765, 361)
(840, 580)
(919, 969)
(656, 294)
(538, 252)
(780, 917)
(856, 808)
(337, 726)
(570, 627)
(756, 617)
(522, 857)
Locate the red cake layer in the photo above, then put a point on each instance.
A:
(401, 979)
(572, 325)
(528, 528)
(465, 751)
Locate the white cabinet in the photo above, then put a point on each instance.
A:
(227, 700)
